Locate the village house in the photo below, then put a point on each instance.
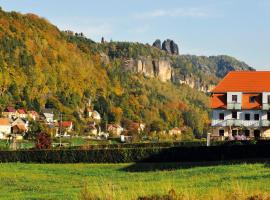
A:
(115, 129)
(21, 113)
(5, 128)
(241, 106)
(175, 131)
(21, 123)
(48, 115)
(96, 115)
(65, 127)
(9, 112)
(18, 131)
(92, 128)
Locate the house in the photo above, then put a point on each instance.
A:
(18, 131)
(21, 113)
(241, 105)
(65, 127)
(33, 115)
(5, 128)
(21, 122)
(92, 128)
(175, 131)
(114, 129)
(96, 115)
(9, 112)
(48, 115)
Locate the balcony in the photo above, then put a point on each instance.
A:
(266, 106)
(234, 106)
(234, 122)
(265, 123)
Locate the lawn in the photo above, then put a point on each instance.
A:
(128, 181)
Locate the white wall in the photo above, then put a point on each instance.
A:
(239, 97)
(6, 129)
(265, 94)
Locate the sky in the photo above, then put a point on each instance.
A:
(239, 28)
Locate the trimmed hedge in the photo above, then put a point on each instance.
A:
(169, 144)
(123, 155)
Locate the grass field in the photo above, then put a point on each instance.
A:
(128, 181)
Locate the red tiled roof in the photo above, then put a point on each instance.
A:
(244, 81)
(21, 111)
(65, 124)
(10, 109)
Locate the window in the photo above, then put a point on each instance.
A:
(247, 116)
(221, 132)
(221, 116)
(234, 98)
(234, 114)
(256, 116)
(268, 99)
(247, 133)
(234, 132)
(268, 115)
(252, 99)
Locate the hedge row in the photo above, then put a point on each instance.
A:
(123, 155)
(169, 144)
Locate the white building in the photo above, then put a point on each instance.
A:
(241, 105)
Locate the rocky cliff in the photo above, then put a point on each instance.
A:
(160, 68)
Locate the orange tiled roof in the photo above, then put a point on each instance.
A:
(244, 81)
(4, 121)
(218, 101)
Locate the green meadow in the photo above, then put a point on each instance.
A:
(130, 181)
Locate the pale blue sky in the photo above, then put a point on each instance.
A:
(240, 28)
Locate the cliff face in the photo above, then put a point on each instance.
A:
(159, 68)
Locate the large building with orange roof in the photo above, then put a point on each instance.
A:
(241, 105)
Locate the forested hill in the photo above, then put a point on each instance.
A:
(42, 66)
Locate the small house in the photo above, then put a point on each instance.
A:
(114, 129)
(5, 128)
(48, 115)
(21, 113)
(9, 112)
(175, 131)
(96, 115)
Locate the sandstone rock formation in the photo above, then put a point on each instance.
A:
(159, 68)
(157, 44)
(170, 47)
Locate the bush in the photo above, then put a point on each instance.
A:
(140, 154)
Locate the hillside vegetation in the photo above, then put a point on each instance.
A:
(44, 67)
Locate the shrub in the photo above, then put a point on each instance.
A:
(43, 141)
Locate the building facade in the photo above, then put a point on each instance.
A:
(241, 105)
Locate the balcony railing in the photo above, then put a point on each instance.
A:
(265, 123)
(266, 106)
(239, 122)
(234, 106)
(234, 122)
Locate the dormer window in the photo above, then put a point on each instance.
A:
(234, 98)
(252, 99)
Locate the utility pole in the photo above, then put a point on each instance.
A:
(60, 130)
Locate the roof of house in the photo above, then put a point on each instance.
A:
(244, 81)
(10, 109)
(21, 111)
(20, 127)
(65, 123)
(4, 122)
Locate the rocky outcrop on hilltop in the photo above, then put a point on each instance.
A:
(168, 45)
